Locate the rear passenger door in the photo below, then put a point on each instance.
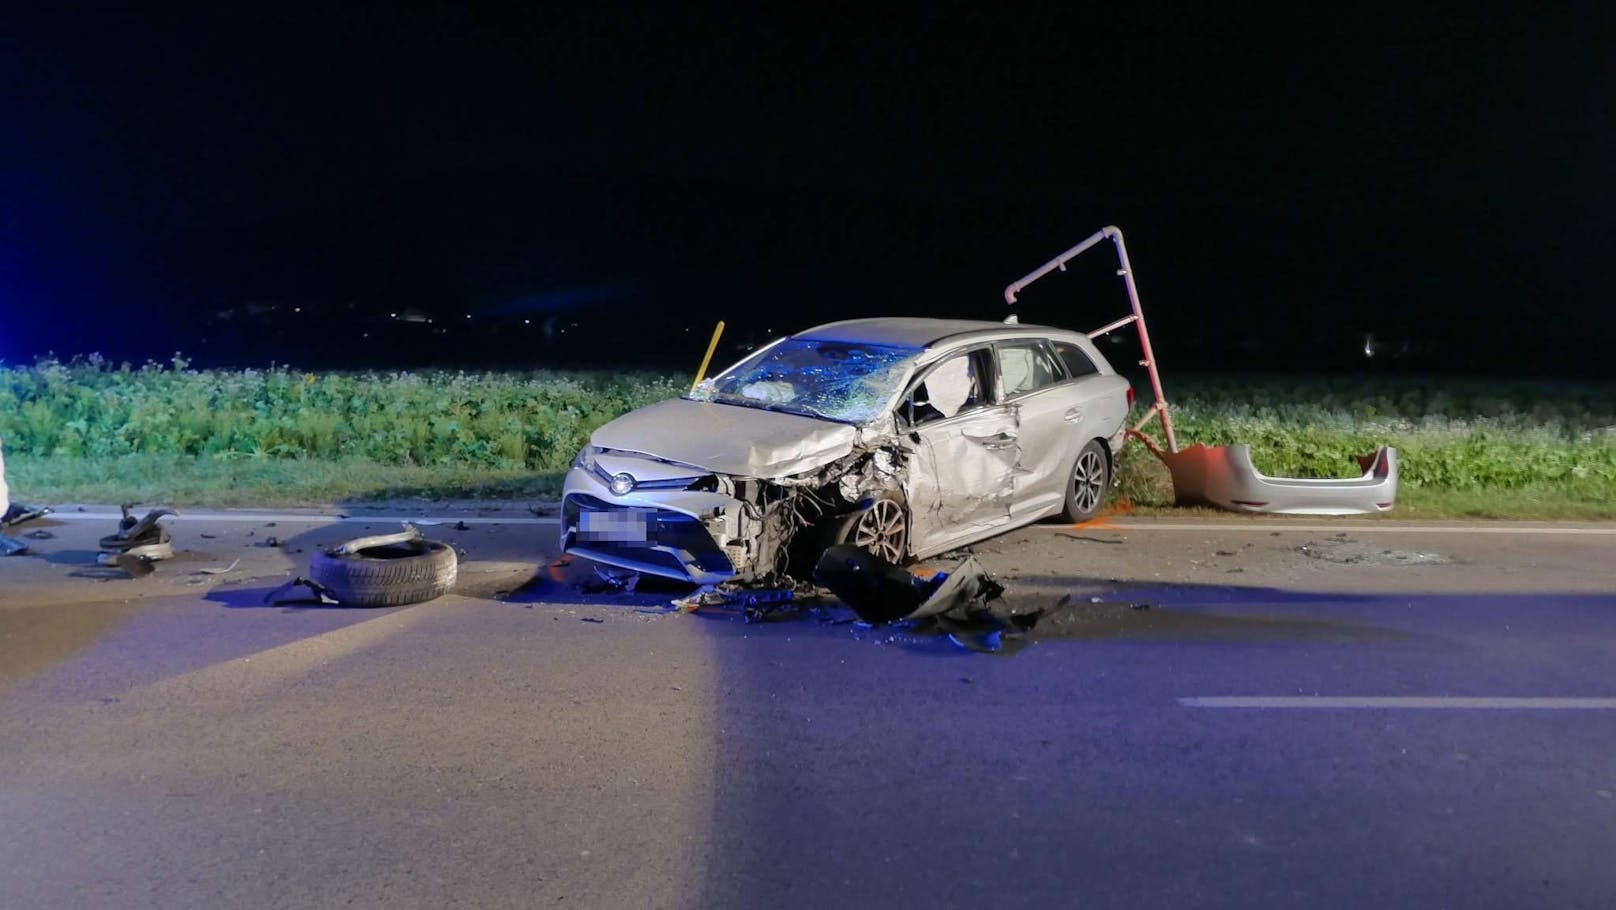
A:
(1034, 385)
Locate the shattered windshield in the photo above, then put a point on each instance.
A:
(845, 381)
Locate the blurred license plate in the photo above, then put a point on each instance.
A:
(621, 526)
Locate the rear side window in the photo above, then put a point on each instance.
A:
(1026, 367)
(1077, 362)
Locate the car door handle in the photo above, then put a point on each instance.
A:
(1073, 415)
(996, 441)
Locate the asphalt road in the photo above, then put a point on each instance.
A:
(1231, 713)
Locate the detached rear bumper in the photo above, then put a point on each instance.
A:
(1224, 476)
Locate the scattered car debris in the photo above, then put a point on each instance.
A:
(270, 541)
(219, 570)
(756, 604)
(40, 534)
(136, 566)
(17, 513)
(14, 513)
(590, 619)
(317, 594)
(881, 592)
(140, 541)
(385, 570)
(1346, 551)
(608, 579)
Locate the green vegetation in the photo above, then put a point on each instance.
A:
(1468, 448)
(88, 431)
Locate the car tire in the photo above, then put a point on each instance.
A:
(387, 576)
(1086, 483)
(882, 529)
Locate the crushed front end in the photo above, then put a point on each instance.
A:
(639, 512)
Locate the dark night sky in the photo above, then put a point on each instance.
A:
(1286, 183)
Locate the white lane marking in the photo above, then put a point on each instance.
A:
(261, 671)
(247, 517)
(1426, 702)
(1362, 528)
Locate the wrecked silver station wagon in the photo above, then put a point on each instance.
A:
(905, 436)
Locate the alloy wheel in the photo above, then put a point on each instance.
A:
(882, 530)
(1088, 480)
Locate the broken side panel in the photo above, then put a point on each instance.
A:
(953, 463)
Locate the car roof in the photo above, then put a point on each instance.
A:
(920, 332)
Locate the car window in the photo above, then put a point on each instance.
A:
(1026, 366)
(1077, 362)
(844, 381)
(953, 386)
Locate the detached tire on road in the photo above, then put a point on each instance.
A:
(387, 576)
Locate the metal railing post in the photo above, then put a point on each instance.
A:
(1138, 318)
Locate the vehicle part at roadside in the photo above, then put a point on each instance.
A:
(317, 594)
(19, 513)
(13, 513)
(610, 579)
(385, 570)
(1224, 476)
(881, 592)
(756, 604)
(143, 539)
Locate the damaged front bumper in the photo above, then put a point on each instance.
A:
(695, 536)
(647, 514)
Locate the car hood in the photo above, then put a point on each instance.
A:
(729, 439)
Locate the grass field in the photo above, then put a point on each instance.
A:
(88, 431)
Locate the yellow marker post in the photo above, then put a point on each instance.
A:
(707, 360)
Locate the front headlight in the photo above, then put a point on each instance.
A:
(586, 458)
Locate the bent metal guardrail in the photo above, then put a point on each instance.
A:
(1225, 476)
(1137, 318)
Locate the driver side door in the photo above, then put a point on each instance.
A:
(962, 472)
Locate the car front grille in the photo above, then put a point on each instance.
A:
(671, 538)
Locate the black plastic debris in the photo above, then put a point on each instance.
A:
(286, 594)
(136, 566)
(17, 513)
(39, 534)
(880, 592)
(138, 542)
(609, 579)
(10, 546)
